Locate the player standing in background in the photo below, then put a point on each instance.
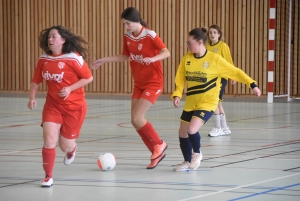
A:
(66, 73)
(202, 70)
(145, 50)
(219, 47)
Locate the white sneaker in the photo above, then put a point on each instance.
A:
(47, 182)
(216, 132)
(196, 160)
(183, 167)
(68, 159)
(226, 131)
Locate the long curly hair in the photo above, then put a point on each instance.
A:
(73, 43)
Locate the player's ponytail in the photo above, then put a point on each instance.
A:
(143, 22)
(204, 29)
(133, 15)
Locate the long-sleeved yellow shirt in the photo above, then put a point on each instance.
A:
(222, 49)
(203, 76)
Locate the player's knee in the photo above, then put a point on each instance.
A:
(136, 121)
(63, 146)
(192, 129)
(49, 142)
(183, 133)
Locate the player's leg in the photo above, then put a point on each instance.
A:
(50, 136)
(142, 100)
(184, 142)
(145, 139)
(51, 123)
(217, 130)
(70, 131)
(198, 120)
(224, 127)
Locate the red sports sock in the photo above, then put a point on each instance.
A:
(150, 133)
(73, 150)
(48, 160)
(146, 141)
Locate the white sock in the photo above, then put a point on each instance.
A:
(223, 121)
(217, 121)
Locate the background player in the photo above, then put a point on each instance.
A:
(65, 108)
(145, 50)
(202, 70)
(217, 46)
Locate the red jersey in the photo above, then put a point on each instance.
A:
(145, 44)
(62, 71)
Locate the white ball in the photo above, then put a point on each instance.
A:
(106, 161)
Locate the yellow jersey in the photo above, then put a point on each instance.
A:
(203, 76)
(222, 49)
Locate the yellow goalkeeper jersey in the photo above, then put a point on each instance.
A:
(203, 76)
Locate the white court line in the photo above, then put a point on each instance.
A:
(246, 185)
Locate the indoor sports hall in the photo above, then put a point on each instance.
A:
(258, 161)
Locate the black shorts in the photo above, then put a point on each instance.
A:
(222, 90)
(204, 115)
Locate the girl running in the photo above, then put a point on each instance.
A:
(66, 73)
(145, 50)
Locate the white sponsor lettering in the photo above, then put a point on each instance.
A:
(56, 77)
(137, 58)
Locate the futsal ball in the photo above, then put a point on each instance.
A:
(106, 161)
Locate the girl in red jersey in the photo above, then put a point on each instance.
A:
(66, 73)
(145, 50)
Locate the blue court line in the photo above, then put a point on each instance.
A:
(264, 192)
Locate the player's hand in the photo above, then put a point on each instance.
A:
(31, 104)
(256, 91)
(176, 101)
(64, 92)
(98, 63)
(148, 60)
(233, 81)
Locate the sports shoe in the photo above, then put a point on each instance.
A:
(195, 162)
(69, 157)
(183, 167)
(47, 182)
(155, 162)
(216, 132)
(159, 150)
(226, 131)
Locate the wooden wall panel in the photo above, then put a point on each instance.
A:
(244, 24)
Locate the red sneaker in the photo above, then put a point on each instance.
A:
(159, 150)
(155, 162)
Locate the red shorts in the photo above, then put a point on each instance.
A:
(148, 94)
(71, 120)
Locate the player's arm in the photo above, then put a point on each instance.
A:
(117, 58)
(179, 83)
(32, 94)
(34, 85)
(227, 56)
(232, 72)
(164, 53)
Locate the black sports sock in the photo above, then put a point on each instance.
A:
(186, 148)
(195, 141)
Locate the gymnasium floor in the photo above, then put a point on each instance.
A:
(260, 160)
